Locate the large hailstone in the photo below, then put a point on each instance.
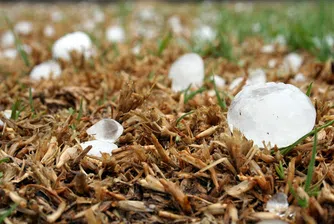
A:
(115, 34)
(106, 133)
(272, 112)
(77, 41)
(187, 70)
(45, 70)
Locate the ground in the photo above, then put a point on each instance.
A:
(177, 159)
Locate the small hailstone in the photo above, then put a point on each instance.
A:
(278, 204)
(219, 81)
(187, 70)
(7, 114)
(106, 129)
(205, 33)
(272, 112)
(256, 27)
(8, 39)
(272, 221)
(49, 31)
(106, 133)
(45, 70)
(280, 39)
(9, 53)
(136, 49)
(292, 62)
(98, 16)
(235, 83)
(56, 16)
(99, 146)
(89, 25)
(300, 77)
(77, 41)
(272, 63)
(268, 49)
(175, 23)
(147, 14)
(256, 76)
(23, 27)
(115, 34)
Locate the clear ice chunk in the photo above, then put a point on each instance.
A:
(106, 129)
(278, 204)
(99, 146)
(272, 112)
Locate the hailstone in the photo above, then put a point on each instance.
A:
(45, 70)
(77, 41)
(106, 133)
(115, 34)
(7, 114)
(8, 39)
(187, 70)
(292, 62)
(23, 27)
(272, 112)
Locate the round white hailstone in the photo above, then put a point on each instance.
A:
(115, 34)
(272, 63)
(235, 83)
(7, 114)
(219, 81)
(292, 62)
(268, 49)
(57, 16)
(77, 41)
(106, 129)
(278, 204)
(136, 49)
(175, 23)
(300, 77)
(280, 39)
(257, 76)
(23, 27)
(147, 13)
(330, 40)
(9, 53)
(49, 31)
(99, 146)
(98, 16)
(205, 33)
(89, 25)
(256, 27)
(187, 70)
(8, 39)
(273, 112)
(272, 221)
(45, 70)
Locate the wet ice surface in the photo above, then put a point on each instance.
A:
(106, 133)
(106, 129)
(187, 70)
(273, 112)
(77, 41)
(278, 204)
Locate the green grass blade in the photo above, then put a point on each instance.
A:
(7, 213)
(221, 102)
(164, 43)
(191, 95)
(286, 150)
(80, 111)
(18, 43)
(312, 162)
(309, 88)
(183, 116)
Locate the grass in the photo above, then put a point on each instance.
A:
(7, 213)
(221, 101)
(164, 43)
(188, 95)
(18, 42)
(312, 163)
(286, 150)
(17, 108)
(280, 170)
(309, 88)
